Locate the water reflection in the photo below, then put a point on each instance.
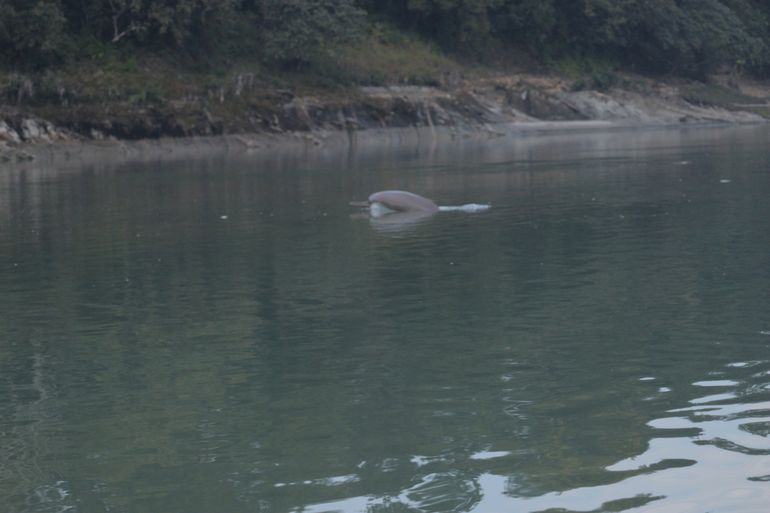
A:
(686, 448)
(395, 224)
(219, 335)
(399, 222)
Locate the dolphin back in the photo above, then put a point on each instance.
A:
(403, 201)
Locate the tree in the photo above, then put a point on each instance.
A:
(467, 26)
(296, 31)
(31, 30)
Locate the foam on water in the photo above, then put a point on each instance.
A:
(469, 208)
(377, 209)
(488, 455)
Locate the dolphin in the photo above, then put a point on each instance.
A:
(408, 205)
(388, 202)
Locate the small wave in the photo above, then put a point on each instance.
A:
(469, 208)
(488, 455)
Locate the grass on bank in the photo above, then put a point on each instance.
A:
(108, 79)
(384, 56)
(713, 95)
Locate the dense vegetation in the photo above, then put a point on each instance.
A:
(687, 37)
(692, 37)
(44, 32)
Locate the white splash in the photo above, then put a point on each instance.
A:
(377, 210)
(488, 455)
(469, 208)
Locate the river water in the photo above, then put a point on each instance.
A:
(227, 334)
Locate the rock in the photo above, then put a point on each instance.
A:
(313, 139)
(23, 156)
(7, 133)
(8, 154)
(54, 132)
(250, 143)
(596, 105)
(35, 131)
(542, 105)
(32, 131)
(213, 125)
(297, 111)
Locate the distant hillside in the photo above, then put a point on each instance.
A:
(134, 69)
(683, 37)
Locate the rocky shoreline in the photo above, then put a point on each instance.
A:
(252, 119)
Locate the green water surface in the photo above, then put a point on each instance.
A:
(226, 334)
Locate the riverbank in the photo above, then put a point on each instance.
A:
(244, 111)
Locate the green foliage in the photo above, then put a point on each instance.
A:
(386, 56)
(461, 25)
(691, 37)
(532, 24)
(175, 22)
(588, 73)
(685, 37)
(297, 31)
(31, 30)
(282, 32)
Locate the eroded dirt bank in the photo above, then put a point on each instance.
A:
(254, 118)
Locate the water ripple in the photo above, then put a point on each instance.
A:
(711, 454)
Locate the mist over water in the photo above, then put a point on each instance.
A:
(227, 334)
